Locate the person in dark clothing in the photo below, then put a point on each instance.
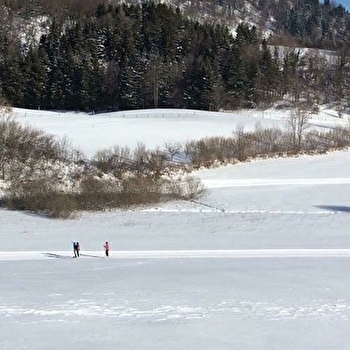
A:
(78, 249)
(106, 246)
(75, 249)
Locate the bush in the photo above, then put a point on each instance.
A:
(98, 194)
(141, 190)
(190, 188)
(116, 161)
(39, 196)
(25, 144)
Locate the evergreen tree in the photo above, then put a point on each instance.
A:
(290, 74)
(268, 74)
(36, 64)
(12, 76)
(129, 76)
(109, 86)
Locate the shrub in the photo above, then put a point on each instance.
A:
(193, 188)
(25, 144)
(190, 188)
(116, 161)
(39, 196)
(98, 194)
(141, 190)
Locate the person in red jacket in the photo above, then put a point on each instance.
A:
(106, 246)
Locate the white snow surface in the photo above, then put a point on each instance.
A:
(155, 127)
(261, 262)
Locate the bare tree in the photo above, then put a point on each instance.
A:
(157, 163)
(173, 148)
(5, 122)
(298, 123)
(116, 160)
(140, 158)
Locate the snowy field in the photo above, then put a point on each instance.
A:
(91, 133)
(261, 262)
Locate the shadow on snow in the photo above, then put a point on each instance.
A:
(91, 256)
(57, 256)
(335, 208)
(60, 256)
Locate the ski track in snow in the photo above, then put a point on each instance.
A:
(220, 183)
(211, 209)
(235, 309)
(182, 254)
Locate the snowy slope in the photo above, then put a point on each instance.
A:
(91, 133)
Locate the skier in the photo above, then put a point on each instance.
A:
(77, 246)
(106, 246)
(75, 249)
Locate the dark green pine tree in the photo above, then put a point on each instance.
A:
(51, 44)
(239, 70)
(170, 84)
(151, 80)
(70, 62)
(66, 64)
(295, 26)
(129, 84)
(131, 67)
(36, 68)
(11, 69)
(55, 95)
(235, 78)
(251, 69)
(215, 93)
(81, 85)
(268, 79)
(290, 81)
(12, 79)
(109, 86)
(94, 82)
(199, 83)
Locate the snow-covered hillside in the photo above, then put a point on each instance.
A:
(260, 263)
(155, 127)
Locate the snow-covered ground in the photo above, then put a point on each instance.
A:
(261, 262)
(155, 127)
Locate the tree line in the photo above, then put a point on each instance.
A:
(120, 57)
